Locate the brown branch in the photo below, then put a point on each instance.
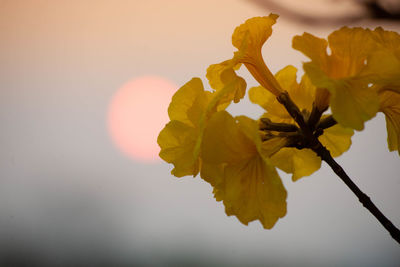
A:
(308, 19)
(276, 126)
(371, 9)
(293, 110)
(362, 197)
(326, 123)
(315, 116)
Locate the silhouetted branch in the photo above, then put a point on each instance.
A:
(326, 123)
(275, 126)
(372, 11)
(362, 197)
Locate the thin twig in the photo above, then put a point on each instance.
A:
(276, 126)
(293, 110)
(315, 116)
(326, 123)
(362, 197)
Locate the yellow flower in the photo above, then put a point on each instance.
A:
(248, 38)
(242, 177)
(189, 110)
(384, 68)
(238, 155)
(384, 63)
(291, 160)
(220, 75)
(352, 100)
(180, 137)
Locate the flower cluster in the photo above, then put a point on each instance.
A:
(238, 156)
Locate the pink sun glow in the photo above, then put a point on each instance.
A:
(137, 113)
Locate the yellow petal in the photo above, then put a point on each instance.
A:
(250, 187)
(258, 95)
(192, 107)
(352, 101)
(384, 69)
(212, 173)
(384, 63)
(214, 73)
(223, 141)
(350, 47)
(250, 129)
(302, 94)
(390, 106)
(352, 104)
(267, 100)
(252, 190)
(386, 39)
(254, 32)
(272, 146)
(222, 75)
(313, 47)
(187, 102)
(393, 130)
(181, 139)
(341, 73)
(336, 139)
(287, 78)
(300, 163)
(177, 141)
(249, 38)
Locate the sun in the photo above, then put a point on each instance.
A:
(137, 113)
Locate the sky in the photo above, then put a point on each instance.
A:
(69, 195)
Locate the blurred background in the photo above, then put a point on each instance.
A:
(73, 192)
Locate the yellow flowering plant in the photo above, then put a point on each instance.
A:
(238, 156)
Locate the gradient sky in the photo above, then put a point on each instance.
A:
(67, 193)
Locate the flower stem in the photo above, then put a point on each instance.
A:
(362, 197)
(275, 126)
(326, 123)
(315, 116)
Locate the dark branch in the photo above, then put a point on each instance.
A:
(275, 126)
(295, 15)
(362, 197)
(315, 116)
(372, 10)
(326, 123)
(293, 110)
